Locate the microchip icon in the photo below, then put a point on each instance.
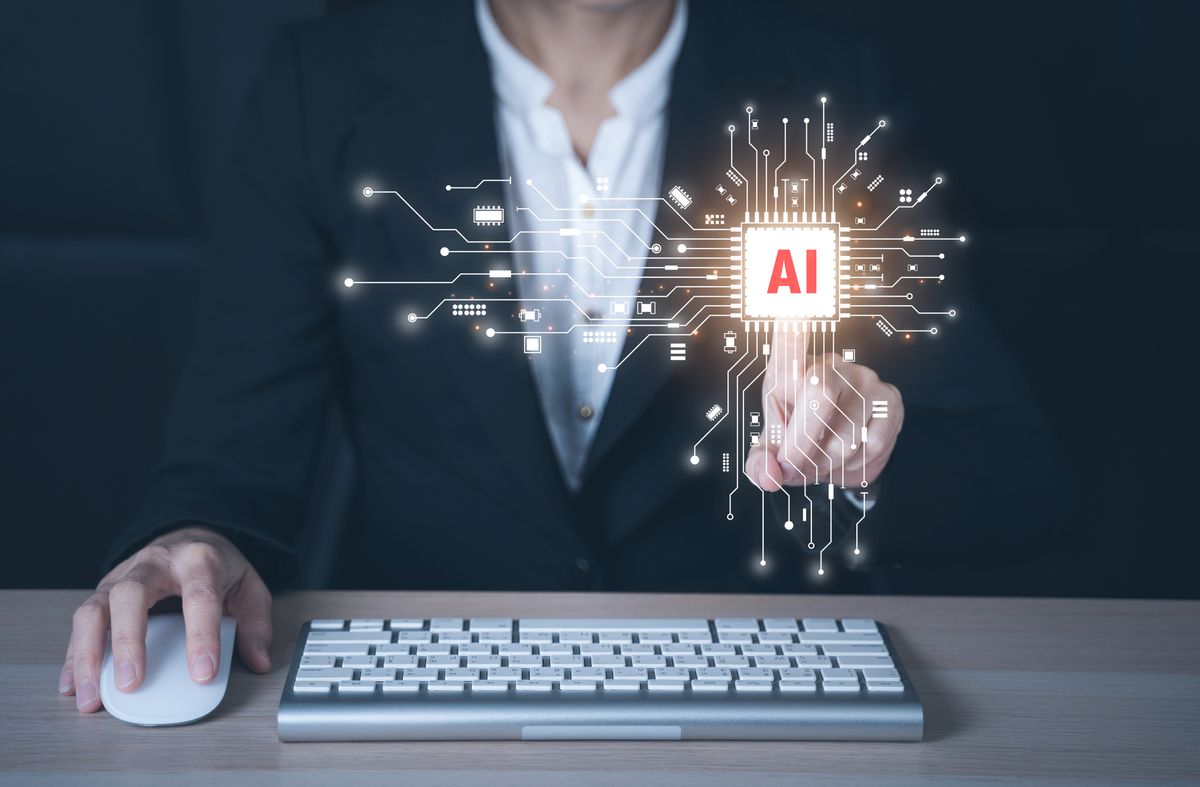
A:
(790, 271)
(680, 197)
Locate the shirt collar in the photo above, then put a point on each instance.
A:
(522, 86)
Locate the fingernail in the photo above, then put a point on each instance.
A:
(85, 694)
(65, 682)
(126, 675)
(202, 667)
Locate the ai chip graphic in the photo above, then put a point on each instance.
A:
(790, 272)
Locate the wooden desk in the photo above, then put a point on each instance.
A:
(1077, 690)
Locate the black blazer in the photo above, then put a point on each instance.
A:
(457, 485)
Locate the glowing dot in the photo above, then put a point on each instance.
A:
(933, 330)
(448, 187)
(821, 571)
(854, 446)
(882, 123)
(788, 525)
(583, 199)
(348, 282)
(682, 248)
(962, 238)
(602, 368)
(749, 109)
(785, 121)
(729, 517)
(822, 99)
(529, 181)
(805, 120)
(368, 191)
(952, 313)
(814, 380)
(490, 332)
(766, 153)
(695, 459)
(937, 180)
(444, 251)
(942, 256)
(811, 545)
(656, 248)
(942, 277)
(762, 562)
(412, 317)
(731, 127)
(857, 551)
(813, 404)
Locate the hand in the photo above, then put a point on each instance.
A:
(822, 444)
(212, 577)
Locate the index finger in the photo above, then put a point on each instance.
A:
(200, 586)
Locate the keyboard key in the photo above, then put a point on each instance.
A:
(453, 637)
(446, 686)
(719, 649)
(666, 685)
(490, 624)
(689, 662)
(504, 674)
(317, 661)
(537, 637)
(483, 662)
(359, 662)
(756, 674)
(489, 685)
(821, 625)
(672, 674)
(366, 624)
(596, 649)
(514, 649)
(885, 685)
(335, 649)
(736, 624)
(772, 662)
(813, 662)
(840, 686)
(776, 637)
(880, 674)
(556, 649)
(862, 662)
(806, 675)
(799, 650)
(546, 673)
(695, 637)
(416, 637)
(852, 650)
(377, 675)
(636, 649)
(566, 661)
(780, 624)
(859, 624)
(556, 625)
(446, 624)
(622, 685)
(474, 649)
(359, 637)
(576, 637)
(753, 685)
(356, 687)
(709, 685)
(460, 673)
(435, 649)
(648, 661)
(609, 662)
(840, 638)
(524, 662)
(587, 673)
(325, 674)
(798, 686)
(495, 637)
(577, 685)
(731, 662)
(536, 685)
(327, 625)
(655, 637)
(713, 673)
(443, 662)
(679, 649)
(400, 662)
(839, 674)
(629, 673)
(405, 623)
(615, 637)
(401, 687)
(734, 637)
(759, 650)
(420, 674)
(311, 686)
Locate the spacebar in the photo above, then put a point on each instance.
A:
(612, 624)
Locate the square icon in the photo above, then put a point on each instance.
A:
(790, 271)
(533, 345)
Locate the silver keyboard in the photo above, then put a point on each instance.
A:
(546, 678)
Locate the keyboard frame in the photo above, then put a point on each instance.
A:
(601, 715)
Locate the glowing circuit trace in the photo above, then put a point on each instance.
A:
(783, 250)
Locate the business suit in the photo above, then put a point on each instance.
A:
(457, 485)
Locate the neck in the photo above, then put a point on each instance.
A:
(586, 48)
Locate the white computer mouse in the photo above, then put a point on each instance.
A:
(168, 695)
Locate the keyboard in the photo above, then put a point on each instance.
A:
(619, 679)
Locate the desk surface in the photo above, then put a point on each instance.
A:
(1063, 690)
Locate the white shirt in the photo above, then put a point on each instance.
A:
(626, 160)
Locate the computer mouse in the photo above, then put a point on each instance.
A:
(168, 695)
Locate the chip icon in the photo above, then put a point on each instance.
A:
(790, 271)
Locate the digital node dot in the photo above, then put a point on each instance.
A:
(682, 248)
(490, 332)
(348, 282)
(602, 368)
(695, 459)
(788, 525)
(368, 191)
(445, 252)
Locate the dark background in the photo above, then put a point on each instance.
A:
(1067, 130)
